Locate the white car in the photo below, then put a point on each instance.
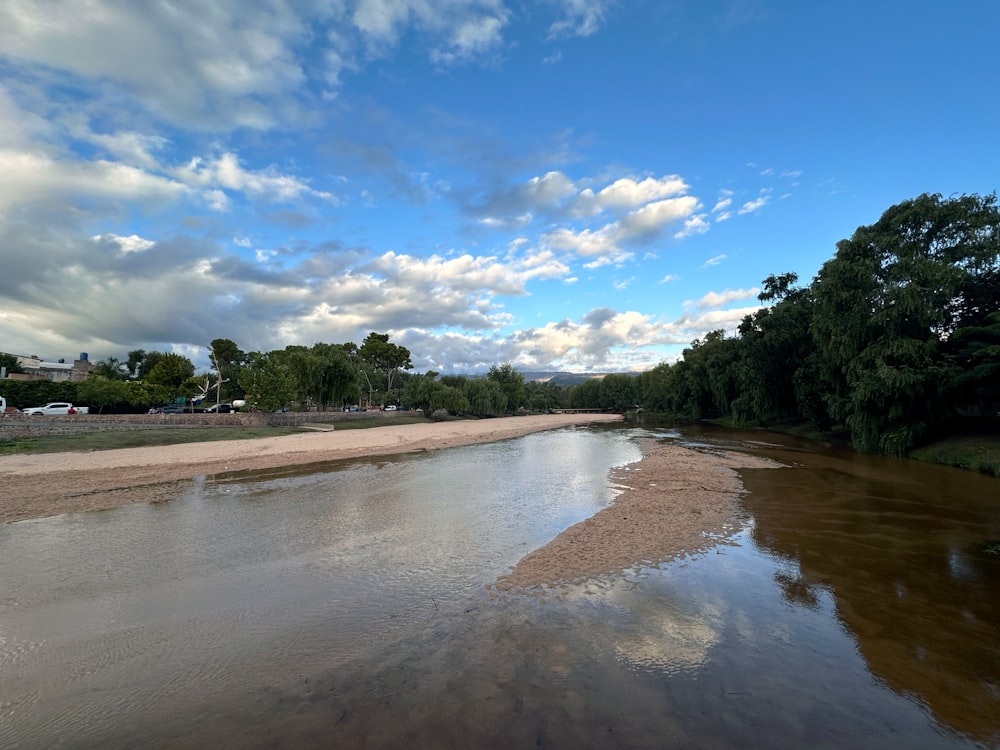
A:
(56, 407)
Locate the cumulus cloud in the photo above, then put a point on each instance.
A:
(756, 204)
(226, 171)
(131, 244)
(580, 17)
(714, 300)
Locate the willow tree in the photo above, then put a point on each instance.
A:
(887, 303)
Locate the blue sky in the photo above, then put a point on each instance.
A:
(578, 185)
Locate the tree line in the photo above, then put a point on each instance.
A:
(897, 336)
(322, 376)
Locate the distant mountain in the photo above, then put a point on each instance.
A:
(562, 379)
(559, 378)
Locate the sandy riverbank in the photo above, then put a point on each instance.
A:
(33, 486)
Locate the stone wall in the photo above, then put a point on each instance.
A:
(15, 427)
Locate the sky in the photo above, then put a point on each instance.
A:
(574, 185)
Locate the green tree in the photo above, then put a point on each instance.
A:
(774, 346)
(170, 370)
(427, 393)
(511, 382)
(10, 362)
(886, 305)
(227, 358)
(111, 368)
(485, 397)
(101, 392)
(266, 381)
(619, 392)
(586, 395)
(134, 363)
(386, 357)
(543, 397)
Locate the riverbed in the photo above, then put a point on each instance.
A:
(850, 604)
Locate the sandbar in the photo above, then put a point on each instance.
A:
(674, 502)
(48, 484)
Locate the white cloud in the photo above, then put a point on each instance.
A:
(28, 176)
(587, 243)
(226, 171)
(628, 193)
(714, 261)
(693, 225)
(668, 278)
(722, 205)
(183, 61)
(580, 17)
(652, 217)
(131, 244)
(755, 205)
(714, 300)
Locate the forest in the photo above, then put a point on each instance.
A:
(895, 339)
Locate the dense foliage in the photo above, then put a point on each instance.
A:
(898, 334)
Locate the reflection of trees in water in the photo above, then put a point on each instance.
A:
(796, 591)
(899, 548)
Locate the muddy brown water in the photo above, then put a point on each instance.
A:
(350, 606)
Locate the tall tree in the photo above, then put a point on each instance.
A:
(384, 356)
(266, 381)
(227, 358)
(170, 370)
(111, 368)
(511, 382)
(886, 303)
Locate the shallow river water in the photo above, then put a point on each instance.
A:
(351, 606)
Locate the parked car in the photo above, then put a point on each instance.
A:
(4, 409)
(168, 409)
(55, 408)
(219, 409)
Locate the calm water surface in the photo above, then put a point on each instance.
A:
(351, 607)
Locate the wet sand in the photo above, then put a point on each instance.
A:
(35, 486)
(675, 501)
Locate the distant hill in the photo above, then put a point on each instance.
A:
(559, 378)
(562, 379)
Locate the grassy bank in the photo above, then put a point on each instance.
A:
(100, 441)
(977, 450)
(973, 452)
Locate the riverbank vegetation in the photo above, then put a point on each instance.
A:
(896, 342)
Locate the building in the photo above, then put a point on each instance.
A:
(58, 372)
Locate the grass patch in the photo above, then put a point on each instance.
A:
(976, 453)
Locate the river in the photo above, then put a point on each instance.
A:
(350, 605)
